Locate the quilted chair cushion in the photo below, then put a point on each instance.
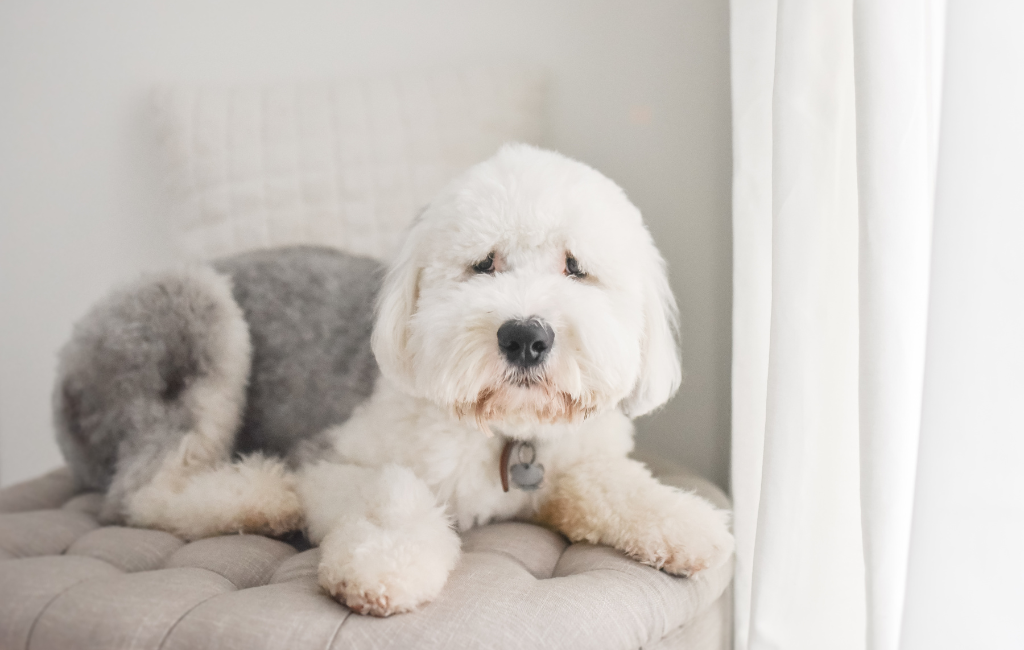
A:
(67, 582)
(346, 164)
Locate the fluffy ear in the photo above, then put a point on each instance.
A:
(660, 372)
(395, 306)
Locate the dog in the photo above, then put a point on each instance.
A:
(492, 373)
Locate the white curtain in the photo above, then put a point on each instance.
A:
(878, 360)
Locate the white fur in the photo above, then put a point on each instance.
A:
(386, 545)
(613, 500)
(254, 495)
(416, 452)
(217, 397)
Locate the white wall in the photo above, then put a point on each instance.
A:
(639, 89)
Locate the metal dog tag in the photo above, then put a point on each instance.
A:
(526, 474)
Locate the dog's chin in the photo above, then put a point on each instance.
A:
(523, 401)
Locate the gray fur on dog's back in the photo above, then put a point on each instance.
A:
(310, 314)
(126, 388)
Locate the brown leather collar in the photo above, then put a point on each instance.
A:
(506, 451)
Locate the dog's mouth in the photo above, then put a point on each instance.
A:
(525, 397)
(524, 378)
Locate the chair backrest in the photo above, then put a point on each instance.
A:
(346, 164)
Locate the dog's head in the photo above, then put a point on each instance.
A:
(530, 291)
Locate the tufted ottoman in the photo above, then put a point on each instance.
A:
(68, 583)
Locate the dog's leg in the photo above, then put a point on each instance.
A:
(616, 501)
(254, 495)
(386, 545)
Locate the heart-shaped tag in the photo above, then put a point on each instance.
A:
(527, 474)
(527, 477)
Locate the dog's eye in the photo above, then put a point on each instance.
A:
(572, 268)
(485, 265)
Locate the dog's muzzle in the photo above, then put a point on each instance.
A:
(525, 343)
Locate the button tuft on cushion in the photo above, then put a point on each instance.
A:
(42, 532)
(487, 602)
(292, 615)
(28, 585)
(583, 557)
(129, 549)
(536, 548)
(245, 560)
(131, 610)
(302, 566)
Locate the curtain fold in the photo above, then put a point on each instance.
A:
(878, 361)
(752, 71)
(807, 534)
(898, 55)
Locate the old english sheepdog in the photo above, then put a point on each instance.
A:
(525, 321)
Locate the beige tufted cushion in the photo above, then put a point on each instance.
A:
(66, 582)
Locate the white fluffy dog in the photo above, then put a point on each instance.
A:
(528, 305)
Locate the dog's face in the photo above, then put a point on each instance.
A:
(530, 292)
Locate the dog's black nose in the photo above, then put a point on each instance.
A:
(525, 342)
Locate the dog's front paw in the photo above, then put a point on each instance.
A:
(615, 501)
(688, 538)
(377, 599)
(383, 572)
